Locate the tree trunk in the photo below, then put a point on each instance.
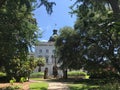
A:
(39, 69)
(65, 74)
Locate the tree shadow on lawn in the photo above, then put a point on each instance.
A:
(80, 81)
(82, 88)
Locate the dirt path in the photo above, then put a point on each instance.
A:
(57, 86)
(52, 85)
(26, 86)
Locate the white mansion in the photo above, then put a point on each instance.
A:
(47, 50)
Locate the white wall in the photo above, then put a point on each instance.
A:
(51, 61)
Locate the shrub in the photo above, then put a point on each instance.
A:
(2, 74)
(13, 80)
(37, 75)
(22, 79)
(76, 73)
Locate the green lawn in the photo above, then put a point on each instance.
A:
(81, 87)
(37, 79)
(39, 86)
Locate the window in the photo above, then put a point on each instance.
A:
(40, 51)
(47, 51)
(52, 57)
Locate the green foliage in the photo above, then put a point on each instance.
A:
(30, 4)
(37, 75)
(39, 86)
(98, 35)
(98, 5)
(40, 62)
(67, 48)
(18, 33)
(2, 74)
(78, 74)
(22, 69)
(20, 28)
(105, 75)
(22, 79)
(13, 80)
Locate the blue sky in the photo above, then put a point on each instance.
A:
(60, 17)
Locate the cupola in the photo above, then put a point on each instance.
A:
(54, 36)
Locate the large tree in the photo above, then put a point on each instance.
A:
(18, 32)
(98, 36)
(68, 49)
(98, 26)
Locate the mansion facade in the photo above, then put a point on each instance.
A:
(47, 50)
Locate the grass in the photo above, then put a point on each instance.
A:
(82, 87)
(78, 74)
(37, 79)
(39, 86)
(36, 74)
